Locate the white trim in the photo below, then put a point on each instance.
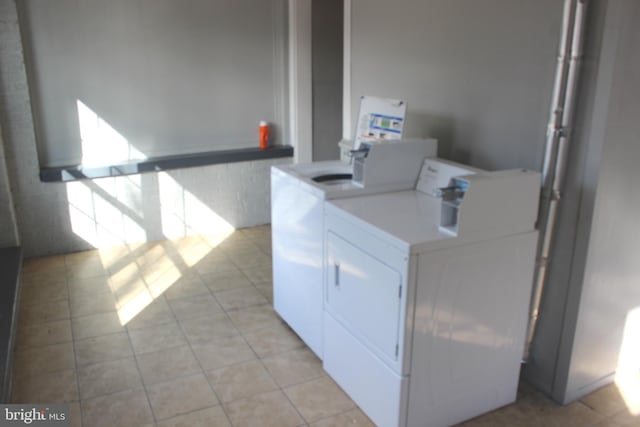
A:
(300, 94)
(347, 132)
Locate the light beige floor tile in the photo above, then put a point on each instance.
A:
(124, 409)
(96, 325)
(104, 348)
(87, 304)
(625, 418)
(609, 422)
(234, 299)
(257, 275)
(86, 269)
(108, 377)
(491, 420)
(257, 233)
(33, 314)
(190, 249)
(353, 418)
(241, 380)
(162, 269)
(265, 247)
(82, 257)
(55, 332)
(210, 417)
(272, 340)
(225, 280)
(271, 409)
(531, 409)
(574, 414)
(606, 401)
(91, 286)
(255, 317)
(55, 387)
(201, 330)
(113, 258)
(43, 264)
(53, 274)
(237, 245)
(511, 415)
(126, 282)
(43, 291)
(319, 398)
(250, 259)
(194, 306)
(155, 338)
(294, 367)
(266, 290)
(223, 351)
(166, 365)
(42, 360)
(148, 254)
(214, 263)
(155, 314)
(187, 285)
(180, 396)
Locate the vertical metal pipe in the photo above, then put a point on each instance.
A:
(556, 149)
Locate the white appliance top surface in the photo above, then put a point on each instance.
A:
(407, 219)
(304, 172)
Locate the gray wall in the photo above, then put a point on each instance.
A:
(477, 75)
(60, 218)
(170, 77)
(603, 287)
(326, 45)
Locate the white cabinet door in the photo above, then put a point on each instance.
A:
(364, 294)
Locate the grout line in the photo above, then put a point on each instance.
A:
(144, 386)
(73, 346)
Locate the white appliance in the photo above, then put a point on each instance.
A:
(298, 192)
(426, 294)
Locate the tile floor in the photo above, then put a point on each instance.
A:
(182, 333)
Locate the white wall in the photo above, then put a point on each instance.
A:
(58, 218)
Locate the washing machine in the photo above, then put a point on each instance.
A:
(426, 294)
(298, 194)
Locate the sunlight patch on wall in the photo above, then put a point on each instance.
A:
(183, 215)
(101, 144)
(628, 371)
(100, 215)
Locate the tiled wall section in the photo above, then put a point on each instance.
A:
(60, 218)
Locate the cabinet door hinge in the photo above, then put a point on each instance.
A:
(400, 291)
(397, 350)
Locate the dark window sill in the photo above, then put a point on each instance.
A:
(157, 164)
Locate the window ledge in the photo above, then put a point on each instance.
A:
(157, 164)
